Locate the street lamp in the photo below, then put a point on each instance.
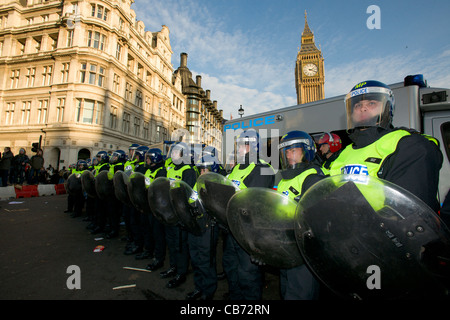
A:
(241, 111)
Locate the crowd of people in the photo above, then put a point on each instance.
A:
(399, 155)
(21, 169)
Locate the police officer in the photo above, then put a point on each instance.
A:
(78, 199)
(131, 160)
(143, 243)
(155, 167)
(100, 205)
(245, 277)
(202, 248)
(117, 161)
(399, 155)
(90, 201)
(297, 152)
(176, 237)
(330, 145)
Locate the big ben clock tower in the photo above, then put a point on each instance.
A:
(309, 69)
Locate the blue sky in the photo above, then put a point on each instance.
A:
(245, 50)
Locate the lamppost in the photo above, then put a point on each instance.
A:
(241, 111)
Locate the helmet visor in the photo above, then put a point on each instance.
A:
(365, 107)
(292, 153)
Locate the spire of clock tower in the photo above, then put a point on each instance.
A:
(309, 69)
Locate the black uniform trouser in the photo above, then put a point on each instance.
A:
(136, 227)
(178, 248)
(202, 250)
(100, 212)
(245, 279)
(159, 237)
(149, 243)
(90, 206)
(114, 213)
(70, 202)
(78, 203)
(298, 284)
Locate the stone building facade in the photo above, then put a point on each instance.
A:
(84, 76)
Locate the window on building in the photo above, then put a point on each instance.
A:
(65, 72)
(30, 77)
(126, 123)
(116, 83)
(118, 51)
(47, 75)
(69, 39)
(148, 78)
(42, 111)
(9, 116)
(128, 91)
(137, 126)
(95, 75)
(96, 40)
(158, 133)
(26, 110)
(37, 44)
(61, 102)
(146, 130)
(138, 101)
(21, 46)
(113, 117)
(148, 102)
(99, 11)
(88, 111)
(14, 78)
(3, 21)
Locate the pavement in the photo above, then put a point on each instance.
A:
(40, 245)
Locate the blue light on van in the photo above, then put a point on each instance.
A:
(246, 124)
(416, 80)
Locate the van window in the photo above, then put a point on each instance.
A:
(445, 131)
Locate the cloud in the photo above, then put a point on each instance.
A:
(389, 69)
(245, 72)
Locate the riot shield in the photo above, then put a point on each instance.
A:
(187, 207)
(73, 184)
(215, 190)
(367, 238)
(138, 192)
(158, 194)
(88, 183)
(104, 186)
(262, 222)
(121, 180)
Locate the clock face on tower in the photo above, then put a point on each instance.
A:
(310, 69)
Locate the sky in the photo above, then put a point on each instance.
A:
(245, 50)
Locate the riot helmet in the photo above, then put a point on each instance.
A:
(155, 155)
(209, 163)
(296, 147)
(332, 140)
(246, 145)
(369, 104)
(139, 153)
(180, 153)
(118, 156)
(131, 149)
(81, 165)
(102, 157)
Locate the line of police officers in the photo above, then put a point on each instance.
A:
(399, 155)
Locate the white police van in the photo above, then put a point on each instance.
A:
(417, 106)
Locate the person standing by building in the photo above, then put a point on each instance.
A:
(20, 162)
(5, 165)
(37, 164)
